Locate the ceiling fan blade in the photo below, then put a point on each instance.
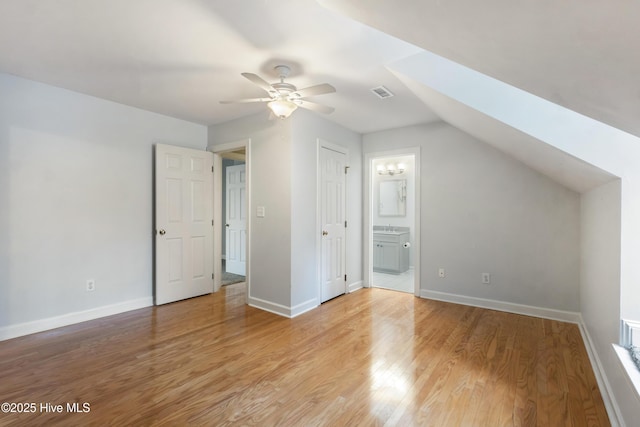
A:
(246, 101)
(320, 89)
(319, 108)
(260, 82)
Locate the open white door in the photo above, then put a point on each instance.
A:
(236, 220)
(184, 223)
(332, 217)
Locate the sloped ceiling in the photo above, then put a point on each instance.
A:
(563, 168)
(180, 58)
(581, 55)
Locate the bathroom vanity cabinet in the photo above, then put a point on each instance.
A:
(389, 254)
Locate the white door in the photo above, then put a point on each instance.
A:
(236, 220)
(184, 223)
(332, 214)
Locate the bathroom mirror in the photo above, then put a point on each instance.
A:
(392, 197)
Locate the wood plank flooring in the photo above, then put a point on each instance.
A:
(374, 357)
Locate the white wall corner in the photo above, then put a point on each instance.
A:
(352, 287)
(566, 316)
(301, 308)
(271, 307)
(21, 329)
(630, 333)
(606, 391)
(527, 310)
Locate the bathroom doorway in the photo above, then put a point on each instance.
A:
(393, 221)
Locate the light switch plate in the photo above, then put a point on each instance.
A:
(260, 211)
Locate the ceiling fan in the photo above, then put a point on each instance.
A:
(284, 98)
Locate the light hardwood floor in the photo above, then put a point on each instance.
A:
(373, 357)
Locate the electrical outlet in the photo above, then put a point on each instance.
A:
(486, 278)
(441, 272)
(91, 285)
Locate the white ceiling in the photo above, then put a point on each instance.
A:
(563, 168)
(583, 55)
(181, 57)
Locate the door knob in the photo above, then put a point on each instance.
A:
(324, 233)
(162, 232)
(226, 225)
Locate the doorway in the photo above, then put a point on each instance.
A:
(392, 221)
(231, 220)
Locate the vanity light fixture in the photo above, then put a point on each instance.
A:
(391, 169)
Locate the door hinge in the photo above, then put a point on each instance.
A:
(345, 277)
(212, 169)
(346, 168)
(345, 224)
(212, 276)
(212, 223)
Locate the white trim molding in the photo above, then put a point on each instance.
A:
(21, 329)
(367, 250)
(218, 215)
(610, 404)
(283, 310)
(269, 306)
(308, 305)
(630, 333)
(606, 391)
(355, 286)
(509, 307)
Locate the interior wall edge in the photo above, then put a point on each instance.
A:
(510, 307)
(41, 325)
(608, 396)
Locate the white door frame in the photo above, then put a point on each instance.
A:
(340, 149)
(368, 221)
(218, 215)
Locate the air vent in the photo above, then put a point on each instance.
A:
(382, 92)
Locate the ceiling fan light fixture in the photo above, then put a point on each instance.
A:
(282, 108)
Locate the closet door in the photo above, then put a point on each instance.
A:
(332, 213)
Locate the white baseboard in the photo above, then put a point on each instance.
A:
(21, 329)
(283, 310)
(613, 410)
(546, 313)
(528, 310)
(297, 310)
(354, 286)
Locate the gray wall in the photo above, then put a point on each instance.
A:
(600, 286)
(270, 237)
(76, 199)
(307, 128)
(483, 211)
(283, 162)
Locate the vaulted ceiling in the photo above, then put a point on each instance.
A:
(581, 55)
(181, 57)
